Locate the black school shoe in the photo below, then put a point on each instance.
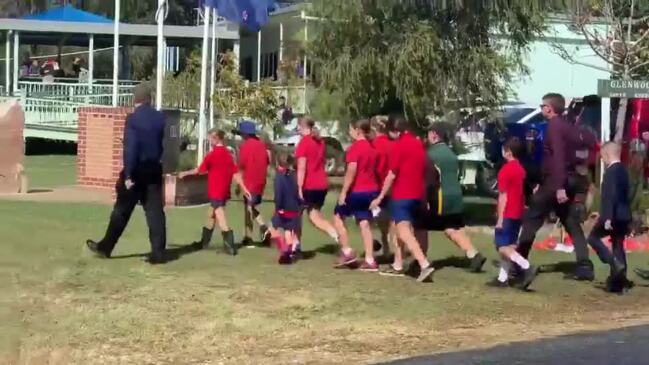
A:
(477, 262)
(95, 247)
(228, 243)
(528, 277)
(206, 238)
(584, 271)
(495, 283)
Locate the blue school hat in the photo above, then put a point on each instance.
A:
(247, 127)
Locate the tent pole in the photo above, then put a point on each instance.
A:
(91, 61)
(16, 59)
(213, 70)
(201, 108)
(116, 52)
(161, 53)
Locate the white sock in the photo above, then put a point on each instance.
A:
(347, 250)
(334, 235)
(296, 245)
(471, 253)
(503, 273)
(520, 261)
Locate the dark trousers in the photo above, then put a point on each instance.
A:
(541, 204)
(148, 192)
(618, 234)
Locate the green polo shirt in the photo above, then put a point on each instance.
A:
(447, 164)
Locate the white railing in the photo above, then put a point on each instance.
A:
(50, 113)
(65, 89)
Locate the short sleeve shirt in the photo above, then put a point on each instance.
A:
(253, 164)
(408, 163)
(511, 180)
(313, 150)
(365, 156)
(219, 166)
(383, 145)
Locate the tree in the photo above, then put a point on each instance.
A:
(237, 98)
(421, 57)
(617, 32)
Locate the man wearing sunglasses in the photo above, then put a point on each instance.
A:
(557, 187)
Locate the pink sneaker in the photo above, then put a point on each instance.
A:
(345, 260)
(367, 267)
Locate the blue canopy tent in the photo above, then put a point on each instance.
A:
(68, 13)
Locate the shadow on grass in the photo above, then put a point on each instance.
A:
(173, 253)
(413, 270)
(567, 268)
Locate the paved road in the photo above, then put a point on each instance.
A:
(629, 346)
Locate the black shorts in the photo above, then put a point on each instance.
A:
(433, 222)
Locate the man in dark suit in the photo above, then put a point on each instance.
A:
(140, 180)
(614, 217)
(556, 190)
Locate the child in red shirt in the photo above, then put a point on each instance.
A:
(383, 144)
(253, 164)
(360, 188)
(221, 170)
(511, 205)
(406, 182)
(311, 175)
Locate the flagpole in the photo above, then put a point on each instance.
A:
(116, 52)
(213, 69)
(201, 109)
(161, 53)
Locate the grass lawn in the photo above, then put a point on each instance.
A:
(60, 305)
(51, 171)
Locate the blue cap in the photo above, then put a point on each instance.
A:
(247, 127)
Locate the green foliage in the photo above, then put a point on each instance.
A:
(419, 59)
(237, 98)
(183, 90)
(329, 105)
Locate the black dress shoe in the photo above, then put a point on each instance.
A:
(96, 249)
(156, 259)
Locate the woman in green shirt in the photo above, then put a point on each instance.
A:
(445, 208)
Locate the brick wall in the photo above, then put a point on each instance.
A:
(99, 148)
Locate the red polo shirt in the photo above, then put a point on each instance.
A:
(511, 180)
(253, 164)
(313, 149)
(383, 145)
(365, 156)
(220, 167)
(408, 163)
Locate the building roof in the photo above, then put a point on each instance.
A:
(68, 13)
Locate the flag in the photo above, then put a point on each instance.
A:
(251, 14)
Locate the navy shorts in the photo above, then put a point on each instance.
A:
(218, 203)
(404, 210)
(254, 200)
(357, 205)
(508, 235)
(314, 199)
(288, 224)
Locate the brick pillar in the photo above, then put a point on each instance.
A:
(99, 148)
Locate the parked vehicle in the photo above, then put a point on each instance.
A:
(336, 146)
(482, 134)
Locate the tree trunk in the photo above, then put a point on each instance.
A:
(620, 120)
